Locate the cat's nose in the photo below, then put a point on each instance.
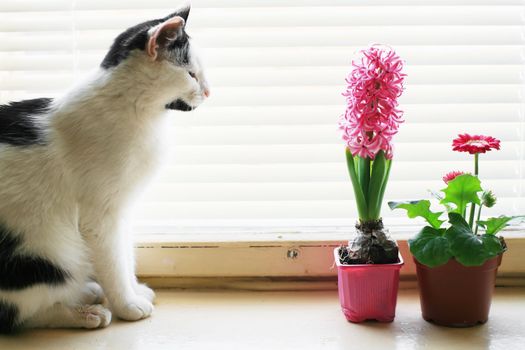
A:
(207, 92)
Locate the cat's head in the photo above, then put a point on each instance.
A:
(161, 51)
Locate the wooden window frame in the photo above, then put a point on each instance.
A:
(251, 260)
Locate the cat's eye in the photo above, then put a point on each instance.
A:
(192, 75)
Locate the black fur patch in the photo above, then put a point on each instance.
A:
(8, 318)
(180, 49)
(136, 37)
(180, 105)
(19, 270)
(16, 124)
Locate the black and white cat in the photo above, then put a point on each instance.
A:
(67, 169)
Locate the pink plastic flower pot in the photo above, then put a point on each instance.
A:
(369, 291)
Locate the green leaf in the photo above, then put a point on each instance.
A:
(363, 174)
(492, 245)
(430, 247)
(470, 249)
(456, 219)
(494, 225)
(358, 192)
(383, 187)
(462, 191)
(419, 208)
(376, 181)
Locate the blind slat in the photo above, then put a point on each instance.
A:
(307, 95)
(319, 134)
(271, 210)
(58, 5)
(286, 37)
(307, 191)
(329, 95)
(323, 172)
(322, 153)
(278, 16)
(289, 76)
(33, 59)
(328, 114)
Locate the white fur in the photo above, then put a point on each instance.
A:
(68, 198)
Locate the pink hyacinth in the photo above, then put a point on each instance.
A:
(371, 118)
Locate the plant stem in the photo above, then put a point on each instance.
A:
(379, 168)
(362, 208)
(472, 213)
(479, 216)
(383, 187)
(363, 171)
(473, 205)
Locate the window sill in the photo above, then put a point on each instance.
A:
(282, 320)
(172, 261)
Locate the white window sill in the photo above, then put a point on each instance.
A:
(265, 253)
(283, 320)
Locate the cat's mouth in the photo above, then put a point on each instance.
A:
(180, 105)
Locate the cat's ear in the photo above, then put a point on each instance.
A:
(183, 12)
(161, 35)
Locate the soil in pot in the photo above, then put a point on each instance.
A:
(454, 295)
(370, 246)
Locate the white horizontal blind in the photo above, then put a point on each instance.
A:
(265, 149)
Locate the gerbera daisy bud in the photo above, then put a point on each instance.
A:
(488, 199)
(451, 176)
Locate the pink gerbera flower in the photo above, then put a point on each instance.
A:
(475, 144)
(372, 118)
(451, 176)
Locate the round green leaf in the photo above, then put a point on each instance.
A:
(492, 245)
(467, 248)
(430, 247)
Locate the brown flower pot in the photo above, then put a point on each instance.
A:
(455, 295)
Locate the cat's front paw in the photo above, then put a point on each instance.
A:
(145, 291)
(93, 316)
(134, 309)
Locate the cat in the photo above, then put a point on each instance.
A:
(68, 168)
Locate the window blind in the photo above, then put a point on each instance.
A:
(264, 150)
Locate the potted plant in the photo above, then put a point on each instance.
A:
(368, 268)
(457, 257)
